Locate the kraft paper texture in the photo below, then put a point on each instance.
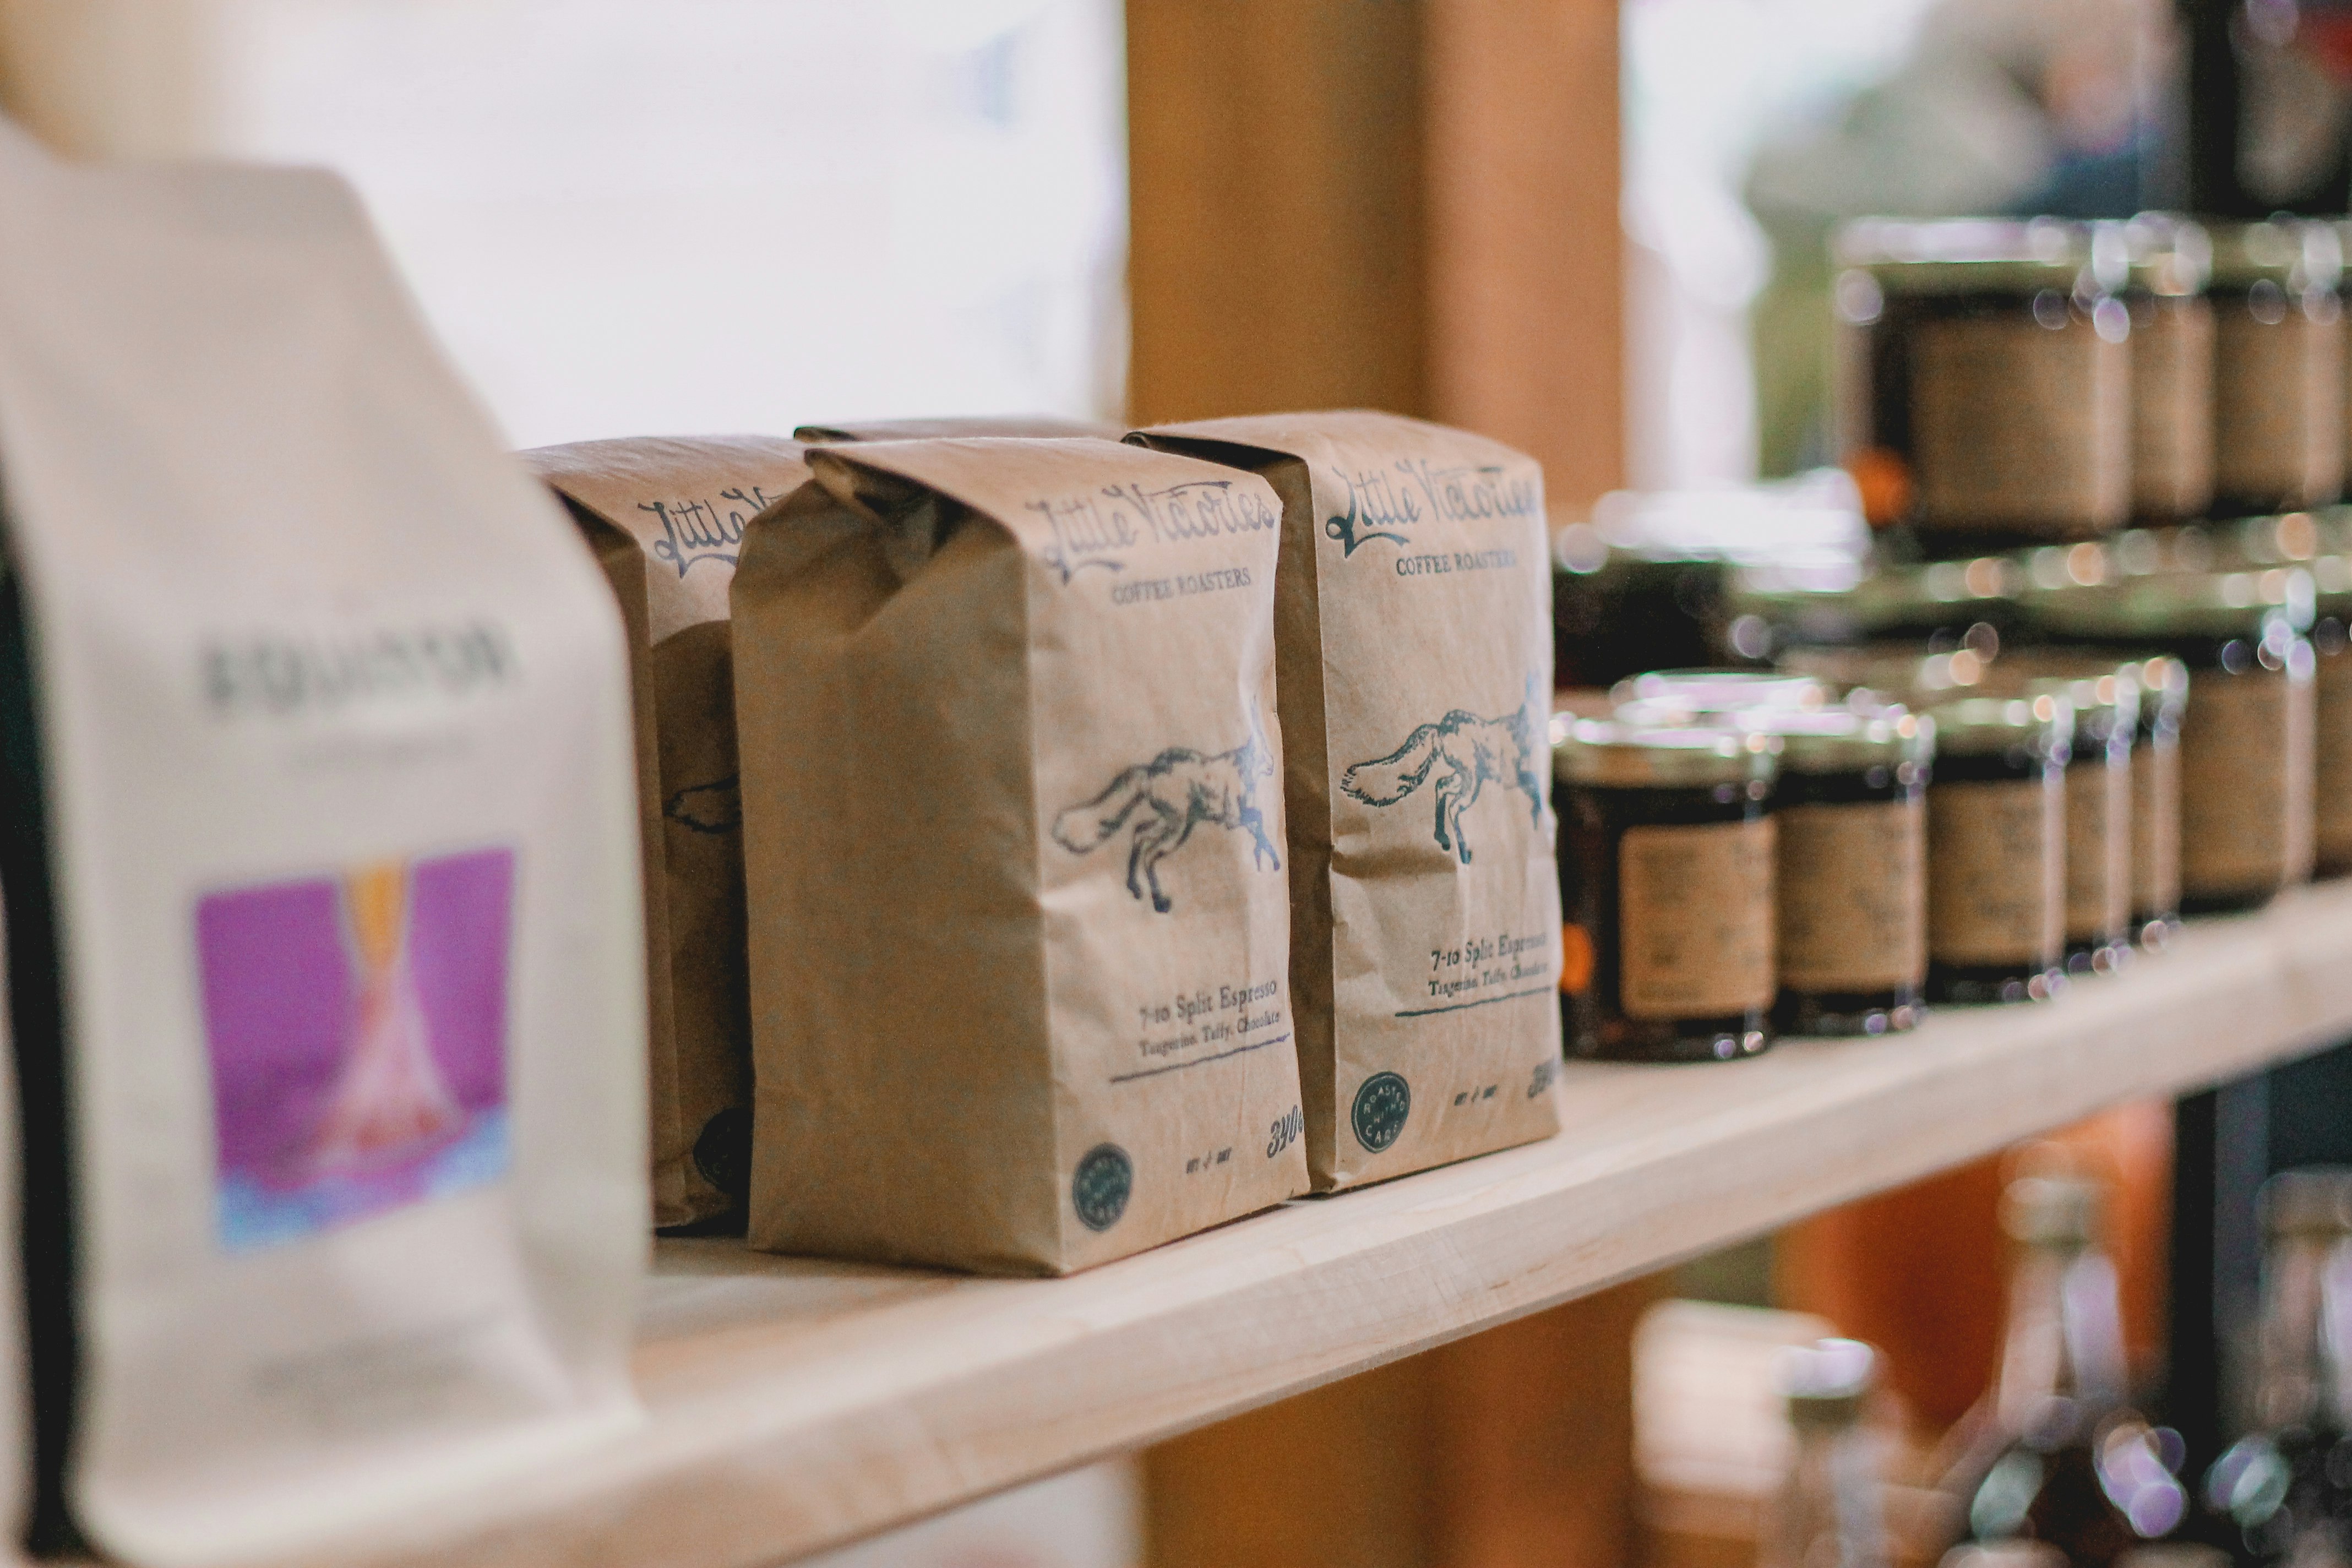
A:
(1014, 834)
(665, 519)
(1412, 623)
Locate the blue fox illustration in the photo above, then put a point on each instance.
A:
(1465, 751)
(1168, 797)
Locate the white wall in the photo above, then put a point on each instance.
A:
(628, 217)
(1704, 81)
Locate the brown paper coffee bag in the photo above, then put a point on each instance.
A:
(665, 516)
(1412, 616)
(1049, 426)
(1012, 825)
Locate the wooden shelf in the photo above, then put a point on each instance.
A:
(795, 1404)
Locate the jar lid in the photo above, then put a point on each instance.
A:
(1962, 255)
(1826, 1382)
(2314, 1201)
(1978, 726)
(2145, 552)
(2331, 582)
(2243, 544)
(2299, 254)
(2179, 604)
(2335, 525)
(1840, 741)
(1899, 671)
(2103, 691)
(2163, 253)
(2253, 541)
(2053, 1211)
(2163, 685)
(1721, 690)
(1613, 751)
(2069, 565)
(1937, 594)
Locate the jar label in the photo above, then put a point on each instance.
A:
(1853, 896)
(1997, 871)
(2172, 409)
(2016, 426)
(1694, 919)
(2155, 827)
(2278, 406)
(2098, 851)
(2246, 776)
(2333, 691)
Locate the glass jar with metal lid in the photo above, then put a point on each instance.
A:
(1851, 818)
(1983, 370)
(2278, 366)
(1666, 886)
(2155, 800)
(2247, 730)
(2331, 644)
(2104, 691)
(1942, 605)
(1997, 850)
(2168, 260)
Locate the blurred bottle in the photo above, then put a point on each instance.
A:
(2059, 1457)
(2284, 1492)
(2005, 1554)
(1829, 1513)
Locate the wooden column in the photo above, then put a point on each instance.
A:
(1275, 161)
(1408, 204)
(118, 79)
(1526, 284)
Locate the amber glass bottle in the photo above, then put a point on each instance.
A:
(1827, 1513)
(2285, 1490)
(2061, 1456)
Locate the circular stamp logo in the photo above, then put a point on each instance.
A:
(723, 1153)
(1101, 1188)
(1382, 1103)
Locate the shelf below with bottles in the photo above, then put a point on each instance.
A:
(795, 1405)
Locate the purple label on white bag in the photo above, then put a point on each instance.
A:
(356, 1026)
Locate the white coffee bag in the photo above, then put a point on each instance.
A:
(320, 807)
(16, 1391)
